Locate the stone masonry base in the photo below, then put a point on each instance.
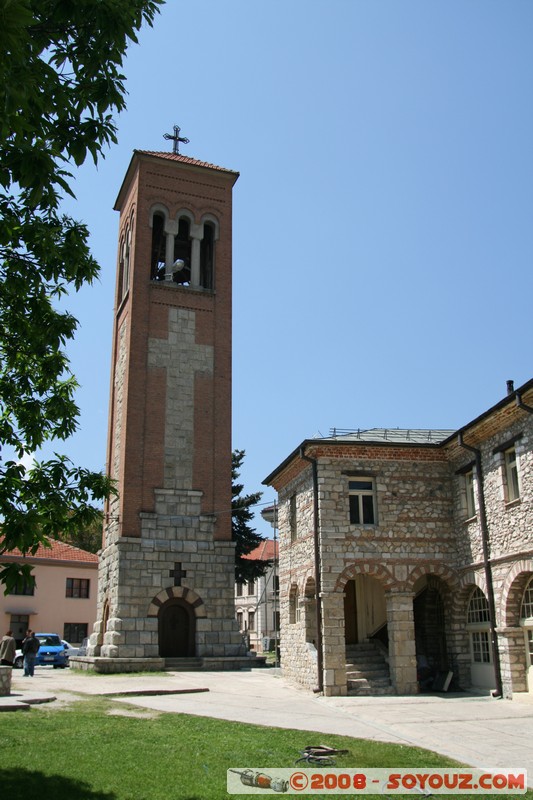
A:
(117, 665)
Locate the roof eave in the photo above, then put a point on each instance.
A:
(509, 399)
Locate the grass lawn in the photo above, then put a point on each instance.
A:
(91, 750)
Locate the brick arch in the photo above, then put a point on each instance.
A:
(178, 593)
(512, 590)
(432, 568)
(373, 569)
(214, 221)
(309, 586)
(158, 208)
(471, 579)
(300, 582)
(461, 597)
(454, 601)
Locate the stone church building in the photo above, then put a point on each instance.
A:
(166, 572)
(406, 557)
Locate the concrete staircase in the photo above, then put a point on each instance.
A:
(367, 671)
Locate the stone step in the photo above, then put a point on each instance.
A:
(367, 671)
(374, 680)
(375, 674)
(369, 661)
(362, 647)
(183, 664)
(366, 690)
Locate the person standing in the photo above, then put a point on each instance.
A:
(8, 647)
(30, 648)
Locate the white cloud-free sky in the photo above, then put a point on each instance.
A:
(383, 238)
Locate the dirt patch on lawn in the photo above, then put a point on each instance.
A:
(123, 712)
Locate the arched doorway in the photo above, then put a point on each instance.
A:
(482, 674)
(430, 628)
(526, 621)
(177, 629)
(365, 610)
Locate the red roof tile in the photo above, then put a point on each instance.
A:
(59, 551)
(183, 159)
(267, 551)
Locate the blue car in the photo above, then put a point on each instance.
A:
(52, 651)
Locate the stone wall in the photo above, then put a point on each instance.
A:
(134, 572)
(421, 530)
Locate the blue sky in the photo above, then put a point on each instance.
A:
(383, 238)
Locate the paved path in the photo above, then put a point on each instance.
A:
(479, 731)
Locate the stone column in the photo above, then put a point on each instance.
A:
(171, 230)
(402, 650)
(169, 256)
(5, 681)
(512, 647)
(334, 652)
(197, 234)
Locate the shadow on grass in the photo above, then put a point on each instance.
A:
(20, 784)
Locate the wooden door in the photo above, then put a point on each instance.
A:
(176, 631)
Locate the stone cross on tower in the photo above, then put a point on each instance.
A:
(177, 573)
(176, 139)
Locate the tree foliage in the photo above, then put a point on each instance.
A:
(245, 537)
(61, 83)
(87, 537)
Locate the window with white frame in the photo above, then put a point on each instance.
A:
(526, 612)
(481, 652)
(478, 607)
(251, 620)
(362, 501)
(468, 484)
(512, 487)
(293, 518)
(478, 620)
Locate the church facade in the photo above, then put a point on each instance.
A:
(406, 557)
(166, 571)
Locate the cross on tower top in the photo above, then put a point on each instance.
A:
(176, 139)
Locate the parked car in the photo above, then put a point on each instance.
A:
(82, 650)
(51, 652)
(70, 650)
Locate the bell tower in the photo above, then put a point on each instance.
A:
(166, 575)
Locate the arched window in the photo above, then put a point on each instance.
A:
(125, 257)
(526, 611)
(478, 607)
(157, 263)
(526, 619)
(181, 271)
(207, 257)
(310, 611)
(294, 614)
(477, 619)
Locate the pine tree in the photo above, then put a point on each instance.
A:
(245, 537)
